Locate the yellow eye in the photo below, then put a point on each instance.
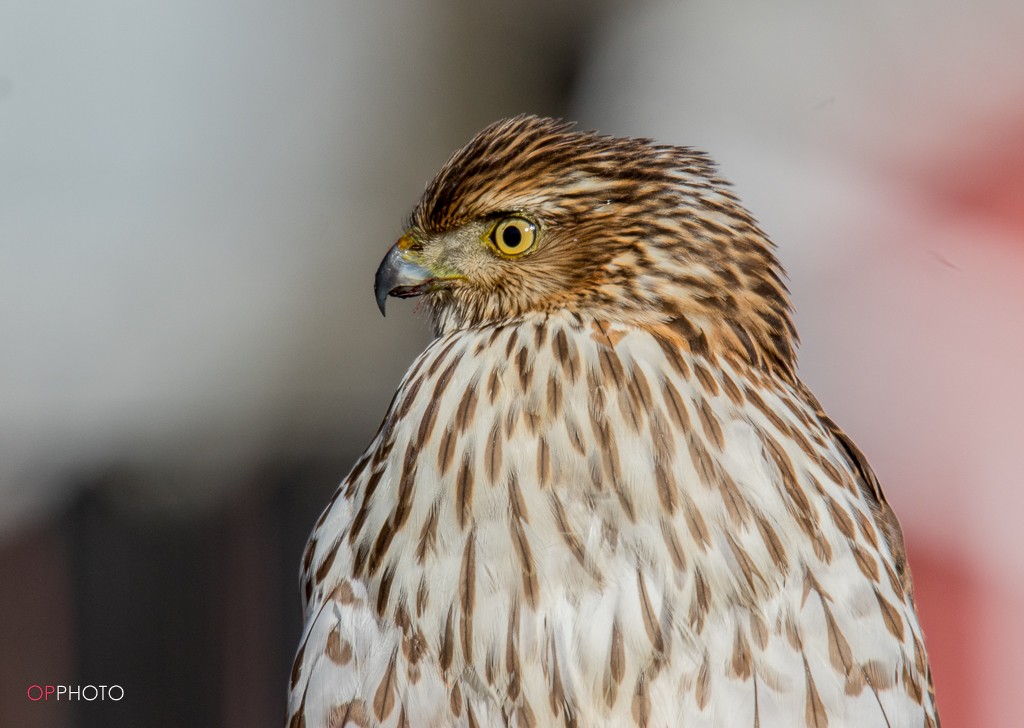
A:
(513, 236)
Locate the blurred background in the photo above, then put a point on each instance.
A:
(194, 197)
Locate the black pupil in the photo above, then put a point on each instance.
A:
(511, 236)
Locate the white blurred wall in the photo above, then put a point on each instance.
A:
(194, 197)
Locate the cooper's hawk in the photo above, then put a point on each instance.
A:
(602, 496)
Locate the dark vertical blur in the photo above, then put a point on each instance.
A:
(145, 597)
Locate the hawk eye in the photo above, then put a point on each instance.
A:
(513, 236)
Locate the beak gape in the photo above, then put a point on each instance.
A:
(397, 276)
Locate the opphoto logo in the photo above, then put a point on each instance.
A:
(75, 692)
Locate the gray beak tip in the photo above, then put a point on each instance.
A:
(399, 277)
(385, 279)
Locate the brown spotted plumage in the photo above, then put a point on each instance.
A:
(602, 496)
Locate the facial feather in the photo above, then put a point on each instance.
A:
(627, 230)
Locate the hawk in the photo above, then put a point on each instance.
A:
(602, 496)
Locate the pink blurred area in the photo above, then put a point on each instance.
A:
(882, 147)
(937, 298)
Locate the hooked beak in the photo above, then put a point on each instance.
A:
(398, 276)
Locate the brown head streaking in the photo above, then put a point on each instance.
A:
(602, 496)
(626, 230)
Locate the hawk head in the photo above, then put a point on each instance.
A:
(534, 217)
